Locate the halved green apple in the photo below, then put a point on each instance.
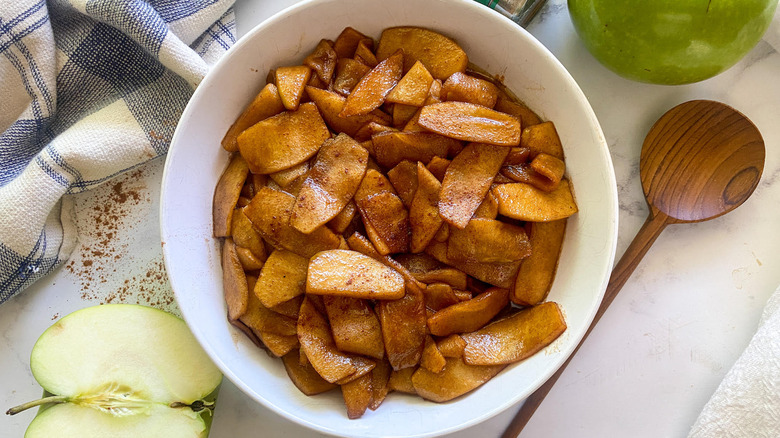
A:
(121, 370)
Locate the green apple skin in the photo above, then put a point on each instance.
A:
(670, 41)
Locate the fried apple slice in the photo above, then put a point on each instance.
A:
(464, 88)
(413, 87)
(289, 308)
(488, 209)
(357, 396)
(282, 278)
(441, 55)
(498, 274)
(351, 274)
(439, 296)
(455, 379)
(320, 349)
(470, 122)
(284, 140)
(267, 103)
(347, 42)
(380, 377)
(438, 166)
(226, 195)
(452, 346)
(550, 167)
(344, 218)
(517, 109)
(403, 329)
(277, 344)
(355, 326)
(488, 241)
(390, 148)
(542, 138)
(468, 180)
(332, 182)
(514, 338)
(246, 236)
(401, 380)
(402, 114)
(432, 359)
(234, 281)
(527, 203)
(403, 177)
(451, 276)
(364, 54)
(270, 212)
(263, 320)
(348, 73)
(537, 271)
(386, 221)
(470, 315)
(304, 377)
(248, 260)
(424, 216)
(361, 244)
(322, 60)
(331, 104)
(290, 81)
(287, 176)
(372, 89)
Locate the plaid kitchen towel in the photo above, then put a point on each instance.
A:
(88, 89)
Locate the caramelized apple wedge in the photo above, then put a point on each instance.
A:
(537, 271)
(355, 326)
(527, 203)
(441, 55)
(372, 89)
(284, 140)
(234, 281)
(304, 377)
(390, 148)
(332, 182)
(424, 216)
(323, 61)
(290, 81)
(320, 349)
(464, 88)
(469, 315)
(468, 180)
(413, 87)
(267, 103)
(470, 122)
(403, 329)
(357, 396)
(226, 195)
(455, 379)
(488, 241)
(282, 278)
(498, 274)
(516, 337)
(351, 274)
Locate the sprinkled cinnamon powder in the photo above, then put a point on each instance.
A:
(118, 259)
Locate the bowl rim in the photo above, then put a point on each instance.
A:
(472, 7)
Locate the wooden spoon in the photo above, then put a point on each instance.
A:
(700, 160)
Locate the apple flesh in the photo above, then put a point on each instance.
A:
(122, 370)
(670, 41)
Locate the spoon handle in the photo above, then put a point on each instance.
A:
(652, 228)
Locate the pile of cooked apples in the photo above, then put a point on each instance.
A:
(392, 220)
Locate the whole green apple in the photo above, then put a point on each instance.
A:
(670, 41)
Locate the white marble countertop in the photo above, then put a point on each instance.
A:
(648, 368)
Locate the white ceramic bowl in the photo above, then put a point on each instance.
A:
(195, 162)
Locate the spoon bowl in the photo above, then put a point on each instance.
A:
(700, 160)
